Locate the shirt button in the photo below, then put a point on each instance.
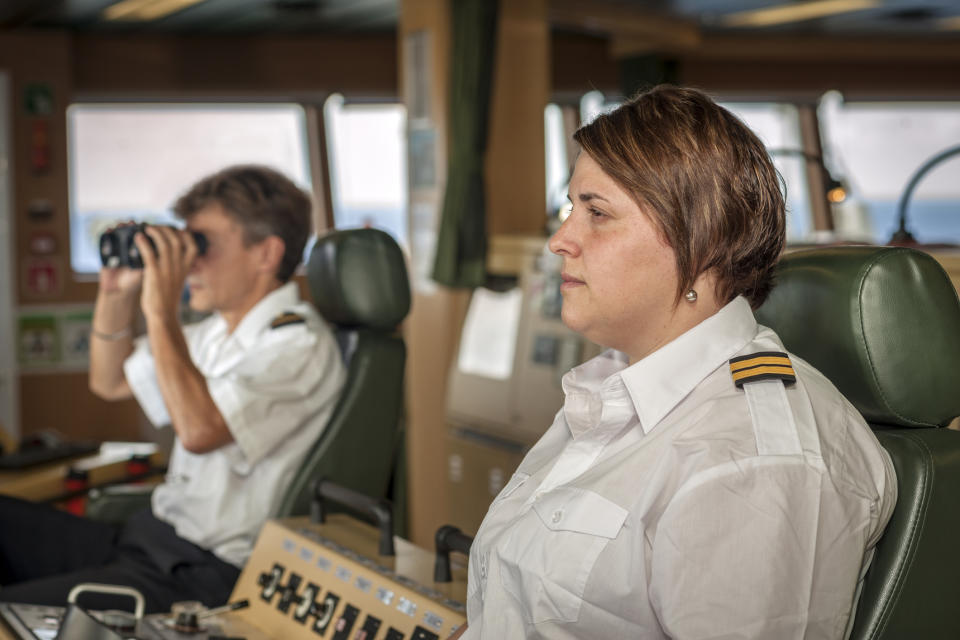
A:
(557, 515)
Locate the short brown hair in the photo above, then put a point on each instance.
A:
(706, 181)
(263, 201)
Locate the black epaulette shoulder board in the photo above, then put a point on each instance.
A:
(287, 318)
(764, 365)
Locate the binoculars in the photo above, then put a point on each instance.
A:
(117, 248)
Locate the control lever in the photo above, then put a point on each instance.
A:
(324, 613)
(227, 608)
(288, 593)
(448, 538)
(380, 510)
(270, 582)
(307, 604)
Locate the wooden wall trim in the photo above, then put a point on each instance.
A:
(828, 49)
(362, 65)
(515, 166)
(799, 80)
(791, 68)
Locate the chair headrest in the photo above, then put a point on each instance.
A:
(882, 323)
(358, 278)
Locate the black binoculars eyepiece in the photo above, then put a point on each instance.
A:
(117, 248)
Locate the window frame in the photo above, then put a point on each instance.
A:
(352, 101)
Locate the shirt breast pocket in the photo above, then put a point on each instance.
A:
(553, 548)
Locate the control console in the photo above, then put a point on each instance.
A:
(308, 581)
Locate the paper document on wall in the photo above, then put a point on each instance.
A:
(489, 337)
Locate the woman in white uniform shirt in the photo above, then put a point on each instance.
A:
(699, 482)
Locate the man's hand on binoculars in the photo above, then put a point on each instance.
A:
(164, 271)
(120, 280)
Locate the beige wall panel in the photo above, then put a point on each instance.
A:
(432, 335)
(432, 329)
(63, 402)
(476, 472)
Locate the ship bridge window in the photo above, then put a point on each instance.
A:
(366, 145)
(131, 161)
(776, 123)
(878, 147)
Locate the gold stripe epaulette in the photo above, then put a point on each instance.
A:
(285, 319)
(765, 365)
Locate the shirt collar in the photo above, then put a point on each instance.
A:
(658, 382)
(594, 395)
(259, 317)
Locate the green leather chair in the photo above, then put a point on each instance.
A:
(883, 324)
(358, 282)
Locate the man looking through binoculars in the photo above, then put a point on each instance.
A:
(246, 391)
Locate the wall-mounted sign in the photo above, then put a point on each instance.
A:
(43, 244)
(38, 343)
(42, 277)
(38, 99)
(75, 338)
(54, 338)
(40, 146)
(40, 210)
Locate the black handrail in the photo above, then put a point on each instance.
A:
(448, 538)
(380, 510)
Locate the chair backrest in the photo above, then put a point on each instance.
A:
(358, 282)
(884, 325)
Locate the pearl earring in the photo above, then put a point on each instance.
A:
(691, 296)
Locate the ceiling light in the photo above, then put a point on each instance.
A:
(795, 12)
(123, 10)
(145, 10)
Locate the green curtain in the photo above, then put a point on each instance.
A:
(462, 242)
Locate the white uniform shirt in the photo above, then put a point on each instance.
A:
(662, 503)
(275, 388)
